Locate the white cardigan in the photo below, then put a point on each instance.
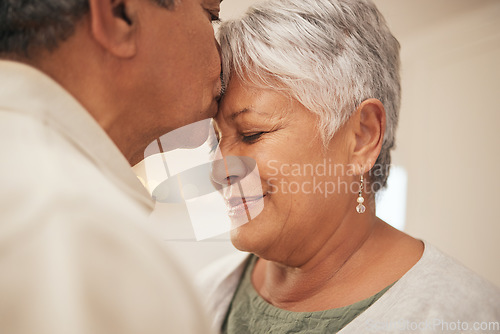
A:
(437, 294)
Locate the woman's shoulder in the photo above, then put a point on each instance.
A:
(440, 285)
(438, 269)
(437, 294)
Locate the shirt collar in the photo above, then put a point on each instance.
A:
(26, 90)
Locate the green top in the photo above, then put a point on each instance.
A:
(250, 313)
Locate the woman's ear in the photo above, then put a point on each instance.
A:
(113, 25)
(368, 129)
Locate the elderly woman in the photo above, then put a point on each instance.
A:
(313, 97)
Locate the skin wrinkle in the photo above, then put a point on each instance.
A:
(283, 111)
(314, 253)
(304, 237)
(317, 282)
(329, 277)
(363, 64)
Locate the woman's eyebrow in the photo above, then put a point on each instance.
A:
(246, 110)
(238, 113)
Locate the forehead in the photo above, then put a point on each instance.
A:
(244, 99)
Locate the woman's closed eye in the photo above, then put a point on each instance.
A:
(251, 138)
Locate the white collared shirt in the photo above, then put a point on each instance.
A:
(76, 254)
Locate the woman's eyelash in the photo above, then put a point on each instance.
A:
(251, 138)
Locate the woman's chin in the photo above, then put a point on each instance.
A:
(246, 237)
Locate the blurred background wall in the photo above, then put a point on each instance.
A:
(448, 139)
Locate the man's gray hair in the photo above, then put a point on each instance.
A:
(330, 55)
(33, 24)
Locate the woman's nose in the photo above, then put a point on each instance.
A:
(228, 170)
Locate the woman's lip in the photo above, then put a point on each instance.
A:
(234, 201)
(238, 205)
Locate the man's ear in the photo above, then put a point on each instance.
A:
(368, 129)
(113, 26)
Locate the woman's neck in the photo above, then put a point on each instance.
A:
(351, 266)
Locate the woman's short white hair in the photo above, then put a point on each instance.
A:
(330, 55)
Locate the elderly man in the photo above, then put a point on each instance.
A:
(85, 86)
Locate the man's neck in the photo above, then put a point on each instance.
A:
(77, 66)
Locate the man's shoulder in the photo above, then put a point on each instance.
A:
(28, 141)
(218, 282)
(229, 267)
(44, 171)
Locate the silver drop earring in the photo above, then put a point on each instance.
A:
(361, 208)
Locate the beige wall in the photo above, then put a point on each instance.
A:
(448, 138)
(449, 134)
